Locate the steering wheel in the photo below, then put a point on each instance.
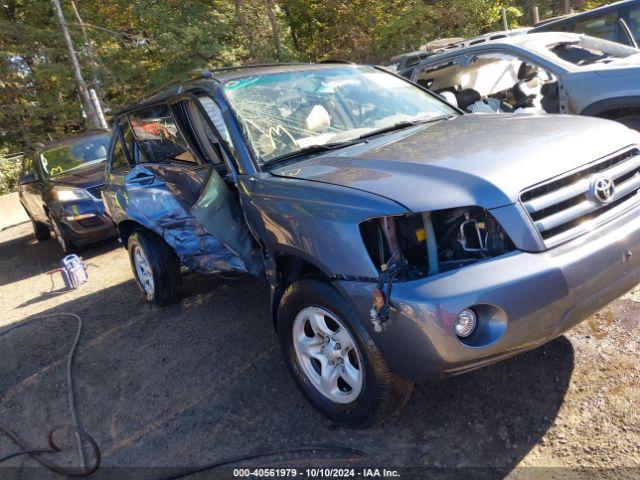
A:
(281, 138)
(524, 101)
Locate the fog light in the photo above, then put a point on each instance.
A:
(465, 323)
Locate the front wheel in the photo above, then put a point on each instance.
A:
(65, 244)
(332, 358)
(155, 267)
(41, 231)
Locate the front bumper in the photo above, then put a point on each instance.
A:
(539, 296)
(84, 221)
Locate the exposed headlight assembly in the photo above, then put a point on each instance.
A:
(425, 244)
(70, 194)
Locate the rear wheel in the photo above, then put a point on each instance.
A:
(332, 358)
(155, 267)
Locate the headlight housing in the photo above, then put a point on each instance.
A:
(70, 194)
(424, 244)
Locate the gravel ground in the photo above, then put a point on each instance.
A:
(203, 380)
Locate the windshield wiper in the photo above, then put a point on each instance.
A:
(311, 149)
(404, 124)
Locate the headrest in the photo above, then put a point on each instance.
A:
(467, 97)
(526, 71)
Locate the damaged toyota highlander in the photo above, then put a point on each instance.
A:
(401, 239)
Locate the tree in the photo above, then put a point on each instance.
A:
(89, 108)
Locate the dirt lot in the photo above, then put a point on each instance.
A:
(203, 380)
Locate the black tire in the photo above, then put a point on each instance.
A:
(65, 243)
(632, 121)
(383, 393)
(165, 267)
(41, 231)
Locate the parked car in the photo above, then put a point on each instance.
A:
(618, 22)
(401, 240)
(544, 72)
(60, 188)
(404, 64)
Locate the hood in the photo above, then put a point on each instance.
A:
(484, 160)
(86, 177)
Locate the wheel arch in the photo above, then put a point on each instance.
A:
(289, 266)
(612, 108)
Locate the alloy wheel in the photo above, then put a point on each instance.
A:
(328, 355)
(143, 270)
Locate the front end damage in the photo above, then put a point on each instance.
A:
(414, 246)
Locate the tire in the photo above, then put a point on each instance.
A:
(65, 244)
(632, 121)
(160, 280)
(354, 403)
(40, 230)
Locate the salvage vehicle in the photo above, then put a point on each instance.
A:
(617, 22)
(401, 239)
(543, 72)
(60, 186)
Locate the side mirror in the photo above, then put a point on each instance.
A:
(28, 178)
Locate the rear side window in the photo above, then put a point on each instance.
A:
(604, 26)
(158, 135)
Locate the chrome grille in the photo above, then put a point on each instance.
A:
(96, 191)
(565, 207)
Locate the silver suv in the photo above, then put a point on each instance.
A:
(539, 72)
(400, 239)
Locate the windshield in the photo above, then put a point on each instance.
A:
(283, 113)
(590, 50)
(74, 155)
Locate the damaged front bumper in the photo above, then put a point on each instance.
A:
(523, 300)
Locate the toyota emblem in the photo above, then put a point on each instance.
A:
(603, 189)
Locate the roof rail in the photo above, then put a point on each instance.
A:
(196, 74)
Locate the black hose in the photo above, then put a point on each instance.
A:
(80, 433)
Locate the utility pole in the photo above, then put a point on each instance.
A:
(93, 91)
(92, 115)
(536, 15)
(505, 23)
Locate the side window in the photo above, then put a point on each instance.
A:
(604, 26)
(203, 135)
(634, 23)
(215, 115)
(119, 155)
(158, 136)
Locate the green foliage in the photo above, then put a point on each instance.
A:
(9, 173)
(139, 45)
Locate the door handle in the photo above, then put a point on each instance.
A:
(142, 178)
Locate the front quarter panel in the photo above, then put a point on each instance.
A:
(315, 221)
